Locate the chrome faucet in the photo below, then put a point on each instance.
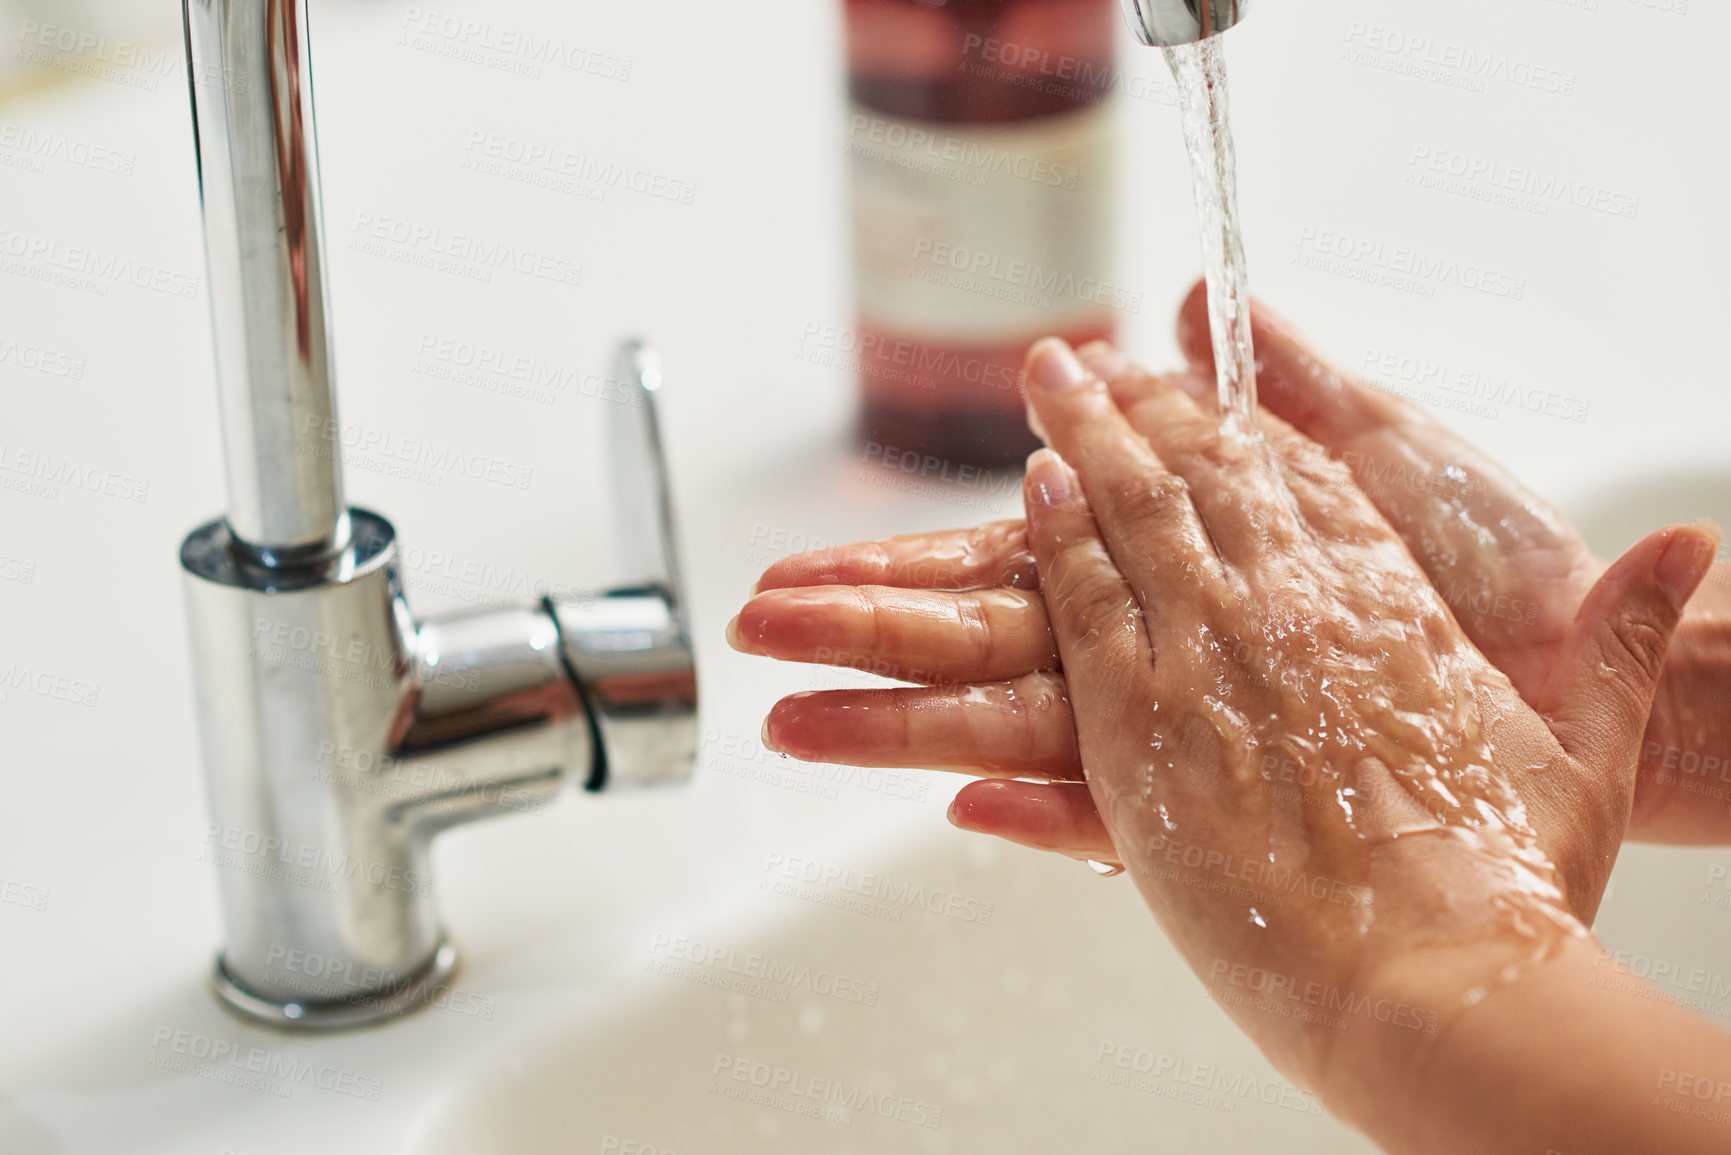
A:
(1166, 23)
(340, 733)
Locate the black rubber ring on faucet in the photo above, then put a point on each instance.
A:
(598, 771)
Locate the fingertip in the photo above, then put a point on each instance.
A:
(745, 632)
(1053, 367)
(1686, 558)
(973, 805)
(1104, 359)
(1197, 383)
(1193, 335)
(780, 730)
(1050, 483)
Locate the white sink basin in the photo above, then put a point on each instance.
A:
(1041, 1013)
(591, 1012)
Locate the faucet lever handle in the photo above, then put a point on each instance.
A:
(629, 649)
(642, 494)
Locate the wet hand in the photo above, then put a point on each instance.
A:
(1308, 769)
(1513, 571)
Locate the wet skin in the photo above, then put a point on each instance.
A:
(1259, 697)
(1513, 572)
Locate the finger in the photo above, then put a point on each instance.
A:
(1055, 816)
(995, 554)
(1180, 422)
(1481, 537)
(1139, 503)
(1101, 630)
(910, 635)
(1600, 692)
(1018, 728)
(1317, 399)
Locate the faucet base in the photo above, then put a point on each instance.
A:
(337, 1014)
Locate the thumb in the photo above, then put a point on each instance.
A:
(1601, 686)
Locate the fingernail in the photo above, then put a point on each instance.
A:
(733, 632)
(1051, 482)
(1104, 359)
(957, 814)
(1682, 565)
(768, 739)
(1055, 367)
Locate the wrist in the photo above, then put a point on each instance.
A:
(1685, 760)
(1378, 1076)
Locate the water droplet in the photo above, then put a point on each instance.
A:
(1104, 869)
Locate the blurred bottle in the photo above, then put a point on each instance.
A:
(982, 148)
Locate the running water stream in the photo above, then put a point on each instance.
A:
(1200, 72)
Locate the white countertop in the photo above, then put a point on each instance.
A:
(581, 1029)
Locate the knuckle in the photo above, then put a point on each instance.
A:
(1637, 644)
(1085, 595)
(1153, 503)
(977, 627)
